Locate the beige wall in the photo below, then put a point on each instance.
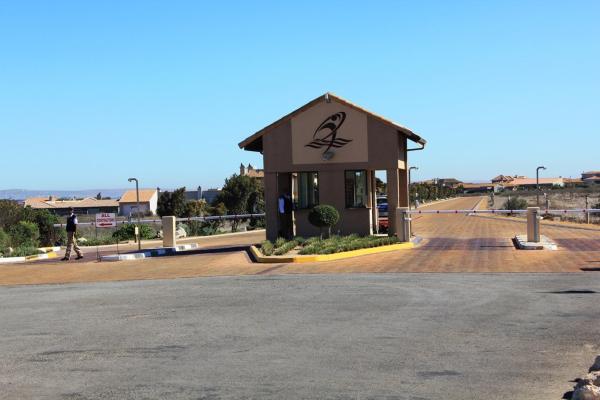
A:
(383, 148)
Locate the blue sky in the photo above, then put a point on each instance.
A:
(94, 92)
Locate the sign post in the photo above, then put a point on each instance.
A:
(105, 220)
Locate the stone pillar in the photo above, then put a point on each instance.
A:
(533, 224)
(403, 198)
(168, 228)
(271, 213)
(392, 200)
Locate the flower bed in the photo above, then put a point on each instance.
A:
(316, 245)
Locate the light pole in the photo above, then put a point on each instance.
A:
(137, 195)
(537, 183)
(409, 181)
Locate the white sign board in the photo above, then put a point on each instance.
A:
(106, 220)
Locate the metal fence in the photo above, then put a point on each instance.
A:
(158, 221)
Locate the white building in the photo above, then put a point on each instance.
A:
(148, 202)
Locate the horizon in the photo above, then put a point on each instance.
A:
(166, 93)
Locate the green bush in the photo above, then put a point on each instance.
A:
(45, 221)
(285, 248)
(127, 232)
(201, 228)
(279, 242)
(266, 247)
(515, 203)
(324, 216)
(4, 239)
(24, 234)
(24, 251)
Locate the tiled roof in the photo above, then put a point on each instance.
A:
(89, 202)
(130, 196)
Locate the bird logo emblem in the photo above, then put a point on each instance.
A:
(326, 135)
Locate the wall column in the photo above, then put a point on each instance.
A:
(271, 195)
(393, 181)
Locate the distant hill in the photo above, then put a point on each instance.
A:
(22, 194)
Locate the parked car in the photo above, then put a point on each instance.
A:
(382, 208)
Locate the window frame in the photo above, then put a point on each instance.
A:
(366, 197)
(317, 191)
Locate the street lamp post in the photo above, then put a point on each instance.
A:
(137, 195)
(409, 181)
(537, 183)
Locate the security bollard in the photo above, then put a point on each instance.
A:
(168, 228)
(533, 224)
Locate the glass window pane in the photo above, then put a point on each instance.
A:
(356, 188)
(308, 189)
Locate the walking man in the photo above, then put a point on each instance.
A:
(71, 240)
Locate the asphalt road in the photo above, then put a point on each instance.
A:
(386, 336)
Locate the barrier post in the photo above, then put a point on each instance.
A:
(169, 238)
(403, 224)
(533, 224)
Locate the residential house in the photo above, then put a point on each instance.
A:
(88, 205)
(148, 202)
(590, 177)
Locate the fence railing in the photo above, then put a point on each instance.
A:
(541, 211)
(232, 217)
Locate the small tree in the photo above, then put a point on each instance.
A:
(171, 203)
(324, 216)
(515, 203)
(241, 194)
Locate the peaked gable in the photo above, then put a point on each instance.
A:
(254, 142)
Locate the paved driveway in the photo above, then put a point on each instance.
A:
(385, 336)
(453, 243)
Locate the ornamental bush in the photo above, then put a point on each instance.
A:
(515, 203)
(324, 216)
(24, 234)
(127, 232)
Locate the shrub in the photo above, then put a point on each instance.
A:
(24, 251)
(45, 221)
(4, 239)
(515, 203)
(201, 228)
(285, 248)
(266, 247)
(127, 232)
(324, 216)
(279, 242)
(24, 234)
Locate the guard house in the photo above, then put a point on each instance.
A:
(327, 152)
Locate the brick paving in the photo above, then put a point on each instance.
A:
(452, 243)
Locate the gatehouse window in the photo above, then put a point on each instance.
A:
(308, 189)
(356, 189)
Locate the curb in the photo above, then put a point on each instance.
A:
(543, 244)
(36, 257)
(160, 252)
(258, 257)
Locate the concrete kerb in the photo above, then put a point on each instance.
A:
(258, 257)
(37, 257)
(158, 252)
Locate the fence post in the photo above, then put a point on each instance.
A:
(403, 224)
(533, 224)
(168, 228)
